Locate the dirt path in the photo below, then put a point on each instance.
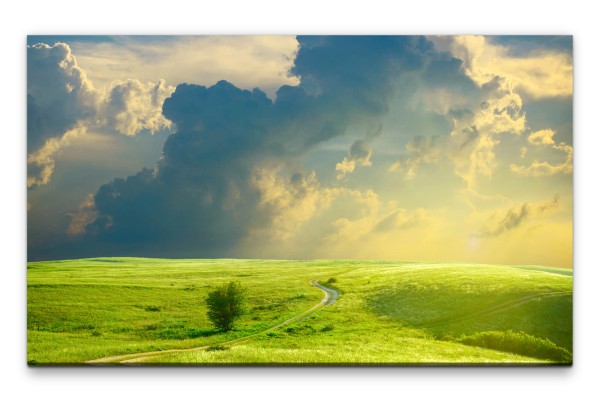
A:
(330, 297)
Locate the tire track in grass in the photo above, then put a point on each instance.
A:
(330, 297)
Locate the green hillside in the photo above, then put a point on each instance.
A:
(386, 313)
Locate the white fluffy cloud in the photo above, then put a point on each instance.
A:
(64, 103)
(246, 61)
(541, 74)
(292, 201)
(545, 138)
(505, 79)
(541, 137)
(132, 106)
(475, 136)
(40, 163)
(543, 168)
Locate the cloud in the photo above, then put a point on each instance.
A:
(85, 215)
(382, 230)
(247, 61)
(359, 155)
(480, 114)
(519, 45)
(247, 172)
(372, 210)
(230, 170)
(290, 202)
(542, 74)
(131, 106)
(419, 150)
(215, 183)
(541, 169)
(200, 194)
(58, 93)
(62, 103)
(515, 217)
(496, 111)
(401, 219)
(541, 137)
(40, 164)
(523, 152)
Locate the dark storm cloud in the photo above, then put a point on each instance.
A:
(358, 65)
(200, 192)
(201, 199)
(58, 93)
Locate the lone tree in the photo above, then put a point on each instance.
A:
(226, 304)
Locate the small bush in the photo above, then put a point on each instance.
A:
(96, 333)
(332, 280)
(152, 308)
(226, 304)
(327, 328)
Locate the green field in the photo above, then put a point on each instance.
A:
(386, 313)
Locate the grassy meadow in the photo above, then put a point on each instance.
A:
(386, 313)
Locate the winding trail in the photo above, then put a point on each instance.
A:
(330, 297)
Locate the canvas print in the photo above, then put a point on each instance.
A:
(299, 200)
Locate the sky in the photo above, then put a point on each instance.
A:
(429, 148)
